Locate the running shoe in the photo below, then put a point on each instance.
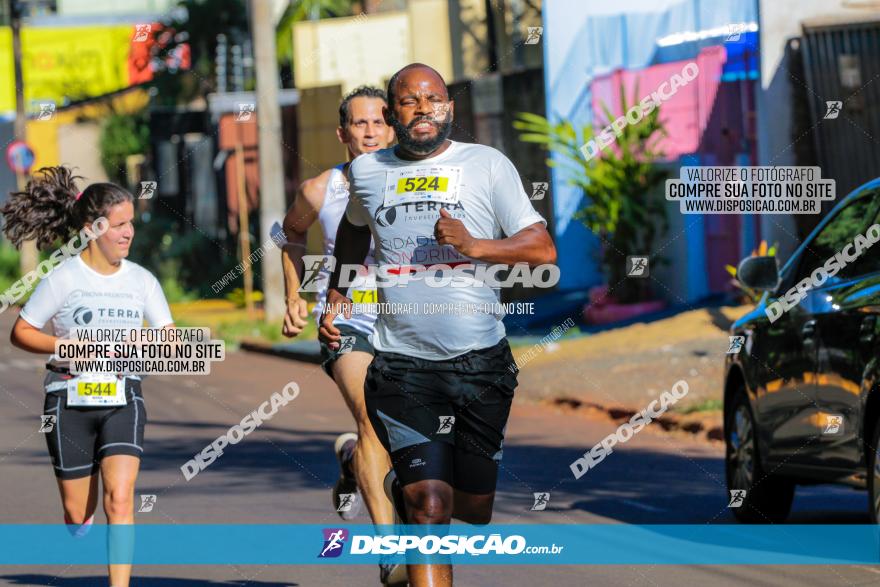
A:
(393, 575)
(79, 530)
(346, 496)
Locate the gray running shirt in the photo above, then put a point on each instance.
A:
(400, 200)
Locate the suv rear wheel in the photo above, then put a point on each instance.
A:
(874, 476)
(763, 498)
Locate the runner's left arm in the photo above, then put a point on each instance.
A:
(527, 239)
(352, 247)
(156, 309)
(531, 245)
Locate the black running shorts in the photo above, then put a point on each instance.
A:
(443, 419)
(80, 437)
(352, 340)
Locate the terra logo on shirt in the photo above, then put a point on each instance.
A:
(387, 215)
(83, 315)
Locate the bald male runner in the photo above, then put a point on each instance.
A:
(439, 389)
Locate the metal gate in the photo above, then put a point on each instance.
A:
(842, 67)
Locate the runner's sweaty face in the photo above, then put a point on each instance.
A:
(114, 243)
(421, 112)
(366, 130)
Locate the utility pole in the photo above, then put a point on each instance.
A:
(491, 36)
(15, 23)
(28, 253)
(272, 201)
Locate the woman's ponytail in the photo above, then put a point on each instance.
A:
(51, 207)
(44, 211)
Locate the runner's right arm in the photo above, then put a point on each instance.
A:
(43, 304)
(31, 339)
(301, 215)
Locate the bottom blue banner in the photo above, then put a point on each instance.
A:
(560, 544)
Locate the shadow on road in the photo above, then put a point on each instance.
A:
(638, 486)
(275, 457)
(32, 579)
(661, 484)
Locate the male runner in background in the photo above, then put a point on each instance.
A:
(439, 388)
(362, 459)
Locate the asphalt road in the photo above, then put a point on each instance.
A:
(283, 471)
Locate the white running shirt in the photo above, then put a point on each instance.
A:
(362, 290)
(75, 295)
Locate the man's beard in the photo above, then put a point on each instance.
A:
(424, 146)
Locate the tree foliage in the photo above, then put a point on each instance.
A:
(123, 135)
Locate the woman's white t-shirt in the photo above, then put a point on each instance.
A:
(76, 296)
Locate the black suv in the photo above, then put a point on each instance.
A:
(802, 396)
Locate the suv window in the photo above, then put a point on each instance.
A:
(852, 220)
(869, 261)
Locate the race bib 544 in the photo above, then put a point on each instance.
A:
(96, 390)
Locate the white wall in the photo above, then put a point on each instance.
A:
(110, 7)
(78, 148)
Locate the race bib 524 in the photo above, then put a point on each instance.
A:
(430, 183)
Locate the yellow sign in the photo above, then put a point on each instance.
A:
(65, 63)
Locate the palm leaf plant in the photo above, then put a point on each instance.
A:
(622, 205)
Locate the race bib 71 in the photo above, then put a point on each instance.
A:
(364, 296)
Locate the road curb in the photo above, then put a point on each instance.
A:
(705, 428)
